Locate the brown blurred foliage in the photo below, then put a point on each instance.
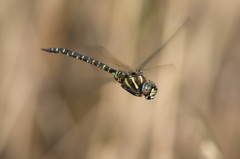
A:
(55, 107)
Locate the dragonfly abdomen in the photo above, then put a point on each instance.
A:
(81, 57)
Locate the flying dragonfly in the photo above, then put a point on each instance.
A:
(131, 80)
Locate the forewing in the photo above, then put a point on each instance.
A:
(158, 51)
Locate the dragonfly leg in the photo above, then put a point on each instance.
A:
(133, 92)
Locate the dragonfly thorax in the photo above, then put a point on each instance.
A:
(136, 84)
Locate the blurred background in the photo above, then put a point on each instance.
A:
(56, 107)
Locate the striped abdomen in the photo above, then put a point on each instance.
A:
(82, 57)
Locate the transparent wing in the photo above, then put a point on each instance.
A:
(146, 62)
(101, 54)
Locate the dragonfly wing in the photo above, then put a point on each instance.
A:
(146, 62)
(101, 54)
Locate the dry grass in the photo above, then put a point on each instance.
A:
(55, 107)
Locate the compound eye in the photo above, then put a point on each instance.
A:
(147, 88)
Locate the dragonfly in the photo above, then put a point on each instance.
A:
(133, 81)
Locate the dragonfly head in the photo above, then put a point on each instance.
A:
(149, 89)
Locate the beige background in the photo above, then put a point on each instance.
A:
(55, 107)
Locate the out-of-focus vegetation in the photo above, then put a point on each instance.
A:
(56, 107)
